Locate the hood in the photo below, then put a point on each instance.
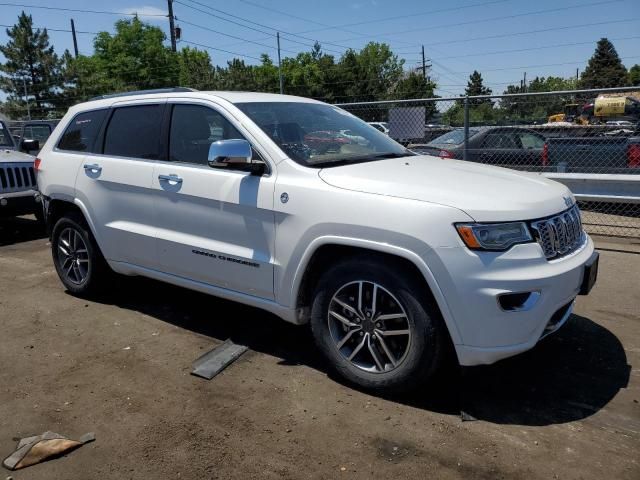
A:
(12, 156)
(487, 194)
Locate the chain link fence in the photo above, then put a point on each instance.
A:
(587, 139)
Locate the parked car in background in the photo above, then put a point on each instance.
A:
(24, 134)
(354, 138)
(381, 127)
(394, 259)
(606, 154)
(325, 141)
(9, 141)
(512, 147)
(620, 123)
(18, 189)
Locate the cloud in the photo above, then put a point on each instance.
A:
(147, 13)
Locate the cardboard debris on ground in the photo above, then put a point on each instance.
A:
(36, 449)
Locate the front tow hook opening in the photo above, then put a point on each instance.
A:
(518, 301)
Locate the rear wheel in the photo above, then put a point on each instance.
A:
(376, 326)
(76, 255)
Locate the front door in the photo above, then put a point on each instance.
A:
(213, 225)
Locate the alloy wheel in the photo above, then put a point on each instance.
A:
(73, 256)
(369, 326)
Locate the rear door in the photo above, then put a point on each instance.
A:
(115, 183)
(214, 225)
(500, 148)
(531, 144)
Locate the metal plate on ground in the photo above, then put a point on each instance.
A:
(213, 362)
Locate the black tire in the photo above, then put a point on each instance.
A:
(428, 338)
(97, 268)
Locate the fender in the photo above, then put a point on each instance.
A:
(384, 248)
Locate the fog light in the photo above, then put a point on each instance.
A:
(3, 202)
(518, 302)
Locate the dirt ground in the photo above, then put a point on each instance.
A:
(119, 366)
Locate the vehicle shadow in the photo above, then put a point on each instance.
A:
(20, 229)
(568, 376)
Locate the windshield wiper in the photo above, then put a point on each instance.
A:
(368, 158)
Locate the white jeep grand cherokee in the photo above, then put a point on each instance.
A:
(391, 257)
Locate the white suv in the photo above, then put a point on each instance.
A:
(391, 257)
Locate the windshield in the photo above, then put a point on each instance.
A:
(454, 137)
(5, 137)
(320, 135)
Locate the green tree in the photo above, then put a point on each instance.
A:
(135, 56)
(604, 68)
(634, 75)
(32, 61)
(528, 108)
(415, 85)
(475, 86)
(195, 69)
(369, 74)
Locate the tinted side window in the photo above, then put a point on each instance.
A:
(82, 131)
(193, 129)
(134, 132)
(37, 132)
(529, 140)
(499, 140)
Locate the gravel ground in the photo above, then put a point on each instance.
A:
(119, 366)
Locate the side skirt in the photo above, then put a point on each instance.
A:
(285, 313)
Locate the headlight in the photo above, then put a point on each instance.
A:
(493, 236)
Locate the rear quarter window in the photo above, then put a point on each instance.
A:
(81, 133)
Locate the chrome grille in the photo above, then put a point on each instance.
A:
(559, 235)
(15, 177)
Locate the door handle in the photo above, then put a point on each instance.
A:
(172, 179)
(92, 167)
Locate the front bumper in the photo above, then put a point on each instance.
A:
(19, 203)
(472, 283)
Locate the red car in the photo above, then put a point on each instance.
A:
(323, 141)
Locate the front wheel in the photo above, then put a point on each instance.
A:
(376, 326)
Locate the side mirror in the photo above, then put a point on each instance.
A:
(229, 152)
(28, 145)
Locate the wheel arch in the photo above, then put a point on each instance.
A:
(58, 207)
(328, 250)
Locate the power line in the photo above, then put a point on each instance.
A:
(221, 50)
(54, 29)
(497, 52)
(233, 36)
(283, 33)
(78, 10)
(492, 19)
(505, 35)
(545, 65)
(412, 15)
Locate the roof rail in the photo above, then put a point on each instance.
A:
(145, 92)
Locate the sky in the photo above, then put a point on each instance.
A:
(502, 39)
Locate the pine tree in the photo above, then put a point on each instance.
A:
(634, 75)
(30, 60)
(476, 87)
(604, 68)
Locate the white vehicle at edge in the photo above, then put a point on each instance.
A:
(393, 258)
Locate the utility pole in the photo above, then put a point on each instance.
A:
(280, 65)
(424, 65)
(172, 26)
(75, 40)
(524, 82)
(26, 98)
(577, 74)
